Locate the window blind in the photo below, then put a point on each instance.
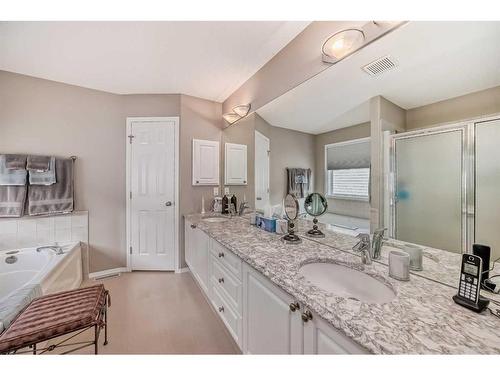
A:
(348, 183)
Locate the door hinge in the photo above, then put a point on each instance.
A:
(130, 249)
(130, 195)
(130, 137)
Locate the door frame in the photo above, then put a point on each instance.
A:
(262, 136)
(129, 122)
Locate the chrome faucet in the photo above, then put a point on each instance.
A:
(363, 246)
(378, 239)
(57, 249)
(243, 206)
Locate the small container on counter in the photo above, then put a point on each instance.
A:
(253, 218)
(416, 255)
(281, 226)
(399, 265)
(268, 224)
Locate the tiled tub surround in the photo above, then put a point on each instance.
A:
(439, 265)
(422, 319)
(32, 231)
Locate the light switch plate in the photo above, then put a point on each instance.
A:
(226, 190)
(216, 191)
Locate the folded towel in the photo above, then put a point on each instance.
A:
(12, 200)
(14, 303)
(14, 177)
(55, 198)
(38, 163)
(44, 178)
(14, 161)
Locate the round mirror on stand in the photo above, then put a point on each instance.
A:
(315, 205)
(291, 208)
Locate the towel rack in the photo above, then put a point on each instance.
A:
(73, 157)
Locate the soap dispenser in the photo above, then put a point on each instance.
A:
(234, 203)
(225, 204)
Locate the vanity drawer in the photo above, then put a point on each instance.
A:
(230, 317)
(230, 285)
(227, 258)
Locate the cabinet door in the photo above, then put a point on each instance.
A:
(205, 162)
(188, 244)
(321, 337)
(269, 325)
(235, 170)
(201, 251)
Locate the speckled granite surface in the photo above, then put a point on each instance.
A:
(439, 265)
(422, 319)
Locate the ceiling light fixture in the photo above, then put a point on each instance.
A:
(238, 113)
(342, 44)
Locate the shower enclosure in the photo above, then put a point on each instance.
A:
(443, 186)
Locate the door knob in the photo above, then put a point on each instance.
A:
(168, 203)
(306, 316)
(259, 198)
(221, 280)
(294, 306)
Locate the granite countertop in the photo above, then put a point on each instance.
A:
(422, 319)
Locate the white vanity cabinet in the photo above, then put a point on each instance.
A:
(269, 324)
(205, 162)
(197, 248)
(320, 337)
(235, 164)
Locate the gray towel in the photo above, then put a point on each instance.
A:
(14, 303)
(298, 181)
(56, 198)
(44, 178)
(38, 163)
(14, 161)
(12, 200)
(15, 177)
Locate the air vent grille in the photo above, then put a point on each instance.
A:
(380, 66)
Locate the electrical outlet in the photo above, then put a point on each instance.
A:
(216, 191)
(226, 190)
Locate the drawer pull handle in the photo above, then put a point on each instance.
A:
(294, 306)
(193, 226)
(221, 255)
(306, 316)
(221, 309)
(221, 280)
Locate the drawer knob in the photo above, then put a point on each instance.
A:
(221, 255)
(306, 316)
(193, 226)
(294, 306)
(221, 309)
(221, 280)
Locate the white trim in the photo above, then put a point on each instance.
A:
(258, 134)
(105, 273)
(182, 270)
(130, 120)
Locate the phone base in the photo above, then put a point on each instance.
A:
(478, 307)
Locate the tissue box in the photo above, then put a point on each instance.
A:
(268, 224)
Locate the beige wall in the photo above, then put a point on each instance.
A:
(481, 103)
(339, 206)
(45, 117)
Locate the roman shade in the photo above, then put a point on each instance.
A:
(348, 156)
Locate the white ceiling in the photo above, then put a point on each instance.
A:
(436, 61)
(205, 59)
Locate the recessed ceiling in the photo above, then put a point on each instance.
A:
(205, 59)
(435, 61)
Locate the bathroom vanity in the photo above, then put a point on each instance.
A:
(258, 287)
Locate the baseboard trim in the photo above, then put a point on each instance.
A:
(107, 273)
(182, 270)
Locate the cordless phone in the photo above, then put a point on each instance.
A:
(470, 284)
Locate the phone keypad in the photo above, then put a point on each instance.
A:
(468, 287)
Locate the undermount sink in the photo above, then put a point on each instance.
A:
(345, 281)
(215, 219)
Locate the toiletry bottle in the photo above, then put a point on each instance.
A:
(225, 203)
(234, 203)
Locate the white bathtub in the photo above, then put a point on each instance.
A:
(53, 272)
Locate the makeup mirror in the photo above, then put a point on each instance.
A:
(315, 205)
(291, 208)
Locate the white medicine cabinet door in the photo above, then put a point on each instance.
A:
(235, 164)
(205, 162)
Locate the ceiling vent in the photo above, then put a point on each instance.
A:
(379, 66)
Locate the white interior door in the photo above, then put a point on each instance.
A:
(152, 173)
(262, 149)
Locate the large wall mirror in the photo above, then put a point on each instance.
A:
(413, 147)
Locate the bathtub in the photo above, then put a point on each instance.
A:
(54, 273)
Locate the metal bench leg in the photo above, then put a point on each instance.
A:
(96, 337)
(106, 326)
(34, 349)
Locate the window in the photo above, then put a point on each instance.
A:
(348, 183)
(347, 169)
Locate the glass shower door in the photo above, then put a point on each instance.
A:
(487, 187)
(429, 189)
